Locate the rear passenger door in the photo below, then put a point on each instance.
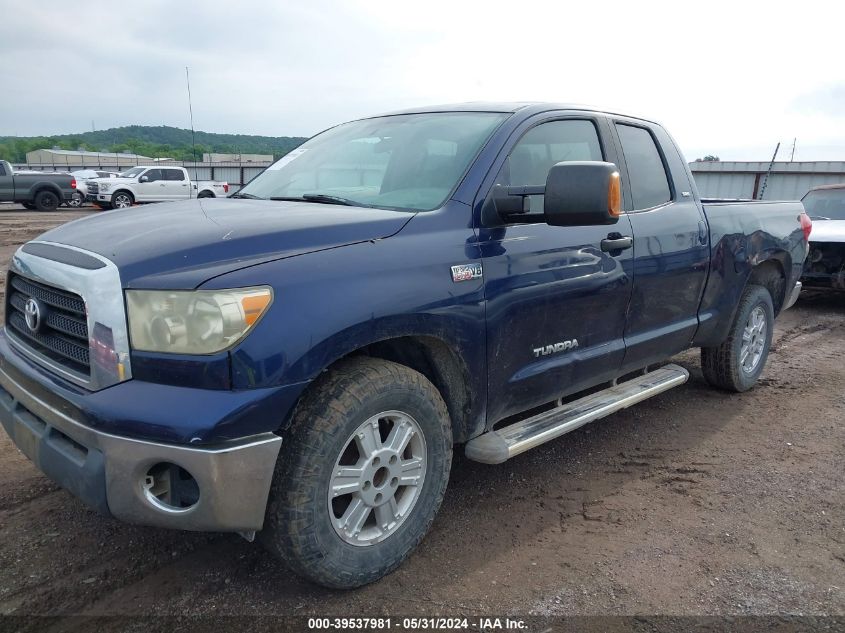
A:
(555, 300)
(671, 250)
(176, 184)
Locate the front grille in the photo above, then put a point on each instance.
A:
(63, 334)
(92, 186)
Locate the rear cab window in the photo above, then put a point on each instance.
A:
(649, 182)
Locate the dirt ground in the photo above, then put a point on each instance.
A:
(694, 502)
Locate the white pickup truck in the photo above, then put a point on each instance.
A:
(150, 183)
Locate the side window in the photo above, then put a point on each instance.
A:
(153, 175)
(2, 169)
(649, 183)
(541, 147)
(173, 174)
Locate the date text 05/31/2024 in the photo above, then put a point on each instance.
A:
(413, 624)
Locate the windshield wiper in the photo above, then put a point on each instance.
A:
(818, 217)
(321, 198)
(246, 195)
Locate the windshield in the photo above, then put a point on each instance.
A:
(131, 173)
(411, 161)
(825, 204)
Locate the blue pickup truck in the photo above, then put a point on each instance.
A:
(299, 361)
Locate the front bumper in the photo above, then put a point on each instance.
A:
(121, 476)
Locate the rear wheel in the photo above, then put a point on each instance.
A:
(361, 474)
(205, 194)
(736, 364)
(122, 200)
(46, 201)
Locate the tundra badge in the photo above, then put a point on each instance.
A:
(554, 348)
(466, 272)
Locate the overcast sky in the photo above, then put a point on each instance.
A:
(725, 78)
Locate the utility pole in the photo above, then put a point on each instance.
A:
(766, 179)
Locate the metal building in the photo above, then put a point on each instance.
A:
(63, 159)
(787, 180)
(237, 158)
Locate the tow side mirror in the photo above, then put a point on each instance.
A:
(144, 179)
(584, 193)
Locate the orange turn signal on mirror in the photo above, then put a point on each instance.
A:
(614, 195)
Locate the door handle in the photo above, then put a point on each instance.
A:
(161, 185)
(616, 242)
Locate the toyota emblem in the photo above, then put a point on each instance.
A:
(32, 313)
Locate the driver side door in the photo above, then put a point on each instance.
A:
(556, 301)
(152, 189)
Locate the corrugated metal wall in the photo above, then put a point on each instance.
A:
(787, 181)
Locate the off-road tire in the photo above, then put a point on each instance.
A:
(46, 200)
(205, 194)
(721, 364)
(298, 527)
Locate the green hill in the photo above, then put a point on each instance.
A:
(153, 141)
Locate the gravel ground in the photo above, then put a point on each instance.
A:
(694, 502)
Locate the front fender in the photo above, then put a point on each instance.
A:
(330, 303)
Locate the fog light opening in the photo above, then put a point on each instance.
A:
(171, 487)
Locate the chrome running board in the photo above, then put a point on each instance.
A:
(495, 447)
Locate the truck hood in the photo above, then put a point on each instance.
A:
(828, 231)
(183, 244)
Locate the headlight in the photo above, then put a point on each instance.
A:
(193, 321)
(104, 187)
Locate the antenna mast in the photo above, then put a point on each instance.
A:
(191, 111)
(766, 179)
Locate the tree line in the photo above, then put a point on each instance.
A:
(152, 141)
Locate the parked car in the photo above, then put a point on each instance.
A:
(83, 175)
(299, 361)
(151, 184)
(43, 191)
(825, 266)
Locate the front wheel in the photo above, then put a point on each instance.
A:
(736, 364)
(361, 474)
(76, 200)
(122, 200)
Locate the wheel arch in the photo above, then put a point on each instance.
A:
(771, 274)
(435, 359)
(47, 186)
(123, 190)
